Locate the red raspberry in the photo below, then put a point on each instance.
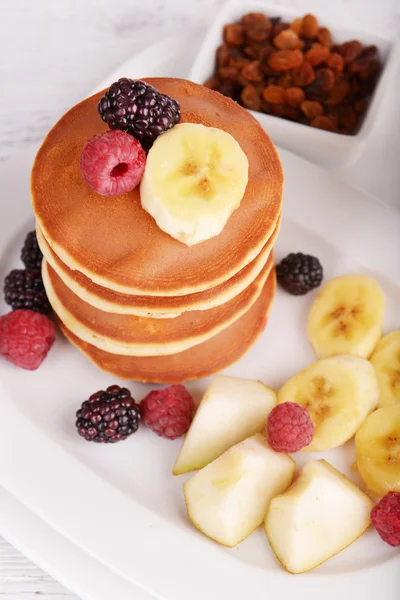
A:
(113, 163)
(386, 518)
(168, 412)
(26, 337)
(289, 427)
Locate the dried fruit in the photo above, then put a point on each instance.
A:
(278, 28)
(323, 122)
(283, 60)
(287, 40)
(252, 72)
(234, 34)
(311, 109)
(317, 55)
(252, 20)
(274, 94)
(223, 55)
(350, 51)
(309, 27)
(250, 98)
(294, 96)
(212, 83)
(322, 84)
(338, 93)
(324, 37)
(296, 25)
(303, 75)
(335, 62)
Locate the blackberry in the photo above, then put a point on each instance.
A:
(299, 273)
(139, 109)
(31, 255)
(108, 416)
(23, 288)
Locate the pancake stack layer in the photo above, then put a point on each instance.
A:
(137, 302)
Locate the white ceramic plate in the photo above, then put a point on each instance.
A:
(120, 503)
(64, 561)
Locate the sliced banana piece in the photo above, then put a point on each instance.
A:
(195, 178)
(386, 360)
(338, 392)
(346, 317)
(378, 451)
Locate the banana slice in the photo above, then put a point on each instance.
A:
(346, 317)
(339, 393)
(195, 178)
(386, 360)
(378, 451)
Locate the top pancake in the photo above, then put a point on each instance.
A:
(116, 243)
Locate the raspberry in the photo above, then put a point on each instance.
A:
(26, 337)
(31, 254)
(299, 273)
(168, 412)
(113, 163)
(108, 416)
(386, 518)
(23, 288)
(289, 427)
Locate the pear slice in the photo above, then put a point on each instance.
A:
(229, 498)
(231, 410)
(321, 513)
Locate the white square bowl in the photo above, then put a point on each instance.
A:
(323, 147)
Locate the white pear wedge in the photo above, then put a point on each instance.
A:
(321, 513)
(231, 410)
(229, 498)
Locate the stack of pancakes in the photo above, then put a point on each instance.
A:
(137, 302)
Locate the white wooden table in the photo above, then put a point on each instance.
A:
(52, 52)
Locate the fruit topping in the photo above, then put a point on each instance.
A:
(378, 451)
(321, 514)
(231, 410)
(113, 163)
(31, 254)
(168, 412)
(139, 109)
(26, 337)
(228, 498)
(299, 273)
(338, 393)
(386, 361)
(346, 317)
(386, 518)
(24, 288)
(289, 428)
(195, 178)
(108, 416)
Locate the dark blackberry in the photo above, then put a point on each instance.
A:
(139, 109)
(23, 288)
(108, 416)
(299, 273)
(31, 254)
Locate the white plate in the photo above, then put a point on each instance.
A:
(70, 565)
(120, 503)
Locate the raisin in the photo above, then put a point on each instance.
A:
(338, 93)
(252, 72)
(287, 40)
(347, 118)
(228, 73)
(238, 62)
(360, 106)
(274, 94)
(234, 34)
(323, 122)
(373, 70)
(335, 62)
(256, 34)
(223, 56)
(317, 55)
(252, 52)
(278, 28)
(228, 88)
(309, 27)
(294, 96)
(252, 20)
(283, 60)
(323, 83)
(250, 97)
(350, 51)
(324, 37)
(212, 83)
(311, 109)
(303, 75)
(296, 26)
(285, 112)
(285, 80)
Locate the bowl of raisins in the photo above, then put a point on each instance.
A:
(316, 88)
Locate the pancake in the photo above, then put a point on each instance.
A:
(115, 242)
(156, 306)
(200, 361)
(140, 336)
